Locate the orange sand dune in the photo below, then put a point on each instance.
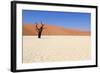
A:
(29, 29)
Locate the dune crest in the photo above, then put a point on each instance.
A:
(30, 30)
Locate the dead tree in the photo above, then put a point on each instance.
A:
(39, 29)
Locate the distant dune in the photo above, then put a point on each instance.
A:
(30, 29)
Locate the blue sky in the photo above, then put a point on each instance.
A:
(73, 20)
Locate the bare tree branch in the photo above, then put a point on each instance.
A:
(37, 26)
(40, 29)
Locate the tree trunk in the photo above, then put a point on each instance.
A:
(39, 35)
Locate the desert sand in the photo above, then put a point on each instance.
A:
(56, 48)
(30, 30)
(56, 44)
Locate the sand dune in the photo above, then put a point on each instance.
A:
(30, 29)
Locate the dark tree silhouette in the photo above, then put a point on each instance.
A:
(39, 29)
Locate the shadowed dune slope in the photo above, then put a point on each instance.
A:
(30, 30)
